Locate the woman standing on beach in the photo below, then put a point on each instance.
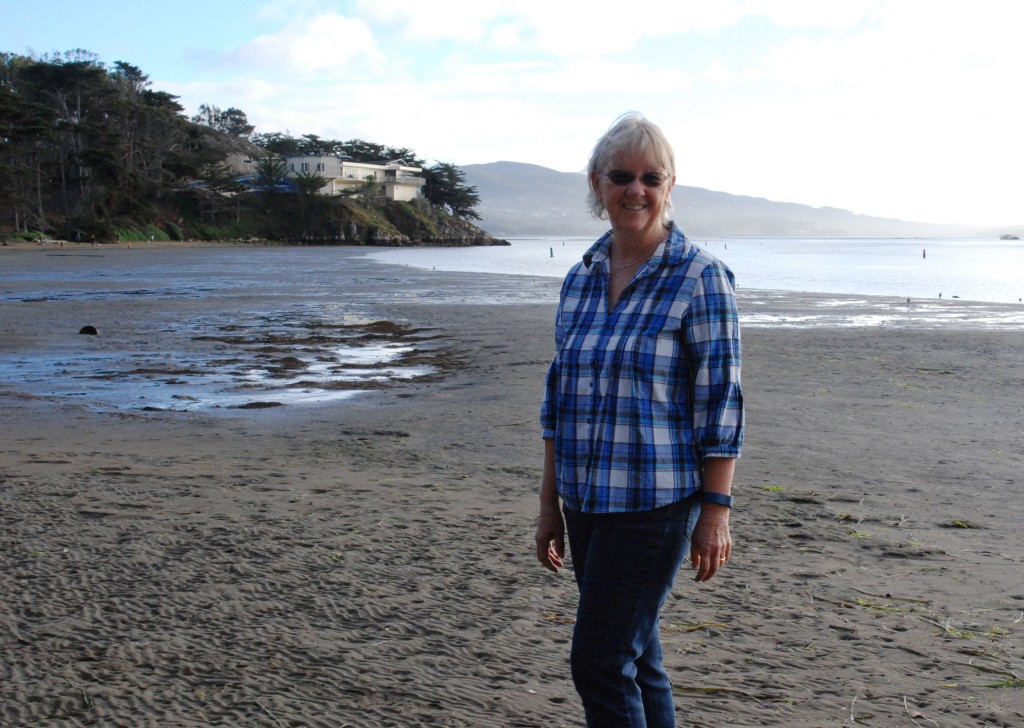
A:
(643, 422)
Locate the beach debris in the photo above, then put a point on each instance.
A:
(89, 330)
(913, 714)
(948, 629)
(562, 619)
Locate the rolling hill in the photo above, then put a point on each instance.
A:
(524, 200)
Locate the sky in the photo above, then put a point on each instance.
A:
(911, 109)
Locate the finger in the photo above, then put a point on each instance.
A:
(542, 552)
(555, 559)
(549, 556)
(707, 566)
(700, 563)
(705, 559)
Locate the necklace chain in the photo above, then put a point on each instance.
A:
(630, 264)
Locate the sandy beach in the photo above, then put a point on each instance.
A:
(369, 562)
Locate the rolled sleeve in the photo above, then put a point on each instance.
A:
(713, 338)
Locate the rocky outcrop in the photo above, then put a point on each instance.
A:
(321, 220)
(408, 224)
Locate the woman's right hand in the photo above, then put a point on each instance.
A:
(550, 526)
(551, 539)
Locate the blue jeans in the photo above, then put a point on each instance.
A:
(625, 564)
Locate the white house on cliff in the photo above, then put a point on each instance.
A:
(397, 180)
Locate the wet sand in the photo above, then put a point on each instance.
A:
(369, 562)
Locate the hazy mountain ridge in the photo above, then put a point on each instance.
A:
(522, 200)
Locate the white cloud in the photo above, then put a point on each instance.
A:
(507, 36)
(282, 11)
(589, 29)
(557, 28)
(566, 81)
(716, 72)
(324, 44)
(239, 93)
(418, 20)
(908, 115)
(809, 13)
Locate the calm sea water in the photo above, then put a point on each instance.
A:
(971, 270)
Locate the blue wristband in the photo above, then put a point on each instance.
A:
(707, 496)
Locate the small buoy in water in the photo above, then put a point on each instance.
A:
(90, 330)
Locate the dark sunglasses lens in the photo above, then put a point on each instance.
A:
(650, 179)
(621, 178)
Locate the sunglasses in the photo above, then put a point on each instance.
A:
(649, 179)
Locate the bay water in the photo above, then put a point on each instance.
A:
(966, 269)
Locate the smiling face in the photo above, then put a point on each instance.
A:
(636, 211)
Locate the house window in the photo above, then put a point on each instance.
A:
(305, 166)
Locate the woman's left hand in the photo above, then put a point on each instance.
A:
(710, 543)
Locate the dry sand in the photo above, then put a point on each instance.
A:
(370, 562)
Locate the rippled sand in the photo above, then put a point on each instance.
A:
(368, 562)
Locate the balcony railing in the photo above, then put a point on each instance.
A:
(404, 179)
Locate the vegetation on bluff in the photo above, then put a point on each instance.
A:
(89, 152)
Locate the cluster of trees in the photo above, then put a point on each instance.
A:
(86, 149)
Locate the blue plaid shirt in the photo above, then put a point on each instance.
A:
(638, 396)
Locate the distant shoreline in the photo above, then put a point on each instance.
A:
(49, 245)
(182, 244)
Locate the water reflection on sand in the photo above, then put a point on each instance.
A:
(795, 310)
(210, 364)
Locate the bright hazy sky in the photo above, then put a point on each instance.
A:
(899, 108)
